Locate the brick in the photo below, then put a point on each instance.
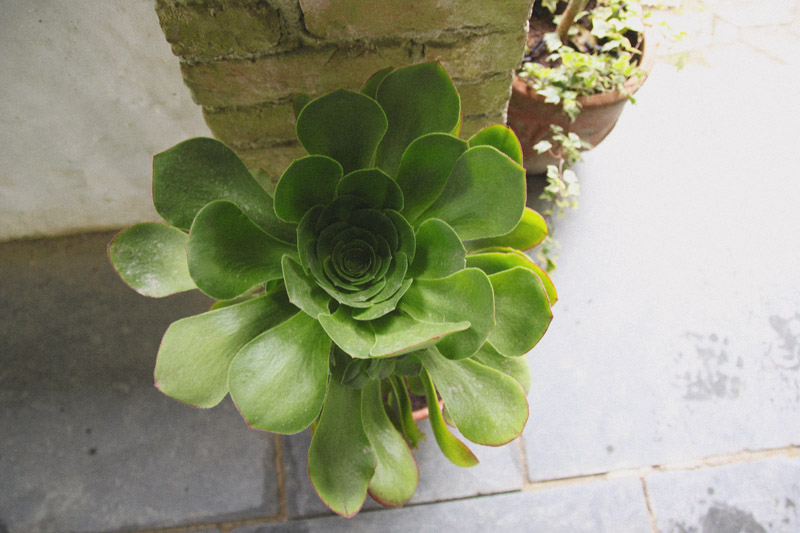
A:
(275, 123)
(477, 56)
(216, 29)
(351, 19)
(272, 160)
(255, 125)
(484, 96)
(470, 125)
(272, 78)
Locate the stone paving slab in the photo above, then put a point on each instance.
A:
(677, 333)
(614, 506)
(86, 441)
(751, 497)
(500, 470)
(749, 13)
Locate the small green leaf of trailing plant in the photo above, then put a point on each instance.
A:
(392, 252)
(562, 189)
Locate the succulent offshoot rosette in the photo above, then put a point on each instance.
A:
(390, 257)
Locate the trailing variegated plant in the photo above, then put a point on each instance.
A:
(388, 257)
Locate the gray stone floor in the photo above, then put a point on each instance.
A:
(665, 397)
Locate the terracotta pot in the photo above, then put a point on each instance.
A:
(420, 414)
(530, 117)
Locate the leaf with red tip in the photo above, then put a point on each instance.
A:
(396, 476)
(452, 448)
(487, 406)
(340, 460)
(196, 352)
(278, 379)
(530, 231)
(151, 259)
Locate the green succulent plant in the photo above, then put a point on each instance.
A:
(390, 255)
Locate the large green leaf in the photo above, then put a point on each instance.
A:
(516, 367)
(463, 296)
(522, 311)
(530, 231)
(484, 195)
(195, 353)
(198, 171)
(340, 460)
(424, 169)
(370, 87)
(307, 182)
(228, 254)
(502, 138)
(303, 290)
(417, 100)
(374, 186)
(396, 475)
(344, 125)
(353, 336)
(151, 258)
(390, 335)
(456, 451)
(440, 252)
(497, 260)
(487, 406)
(398, 333)
(278, 380)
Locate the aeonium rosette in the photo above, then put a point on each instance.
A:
(390, 257)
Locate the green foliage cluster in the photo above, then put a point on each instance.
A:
(562, 188)
(390, 257)
(596, 60)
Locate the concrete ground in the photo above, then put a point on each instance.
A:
(665, 397)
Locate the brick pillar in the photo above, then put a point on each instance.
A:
(244, 60)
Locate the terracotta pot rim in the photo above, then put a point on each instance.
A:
(519, 85)
(423, 412)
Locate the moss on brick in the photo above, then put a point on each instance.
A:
(272, 160)
(208, 30)
(277, 77)
(357, 19)
(254, 125)
(470, 125)
(479, 55)
(482, 96)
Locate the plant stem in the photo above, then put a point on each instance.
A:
(568, 17)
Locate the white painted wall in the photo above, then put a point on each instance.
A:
(89, 91)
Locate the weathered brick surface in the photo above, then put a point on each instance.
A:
(472, 124)
(477, 56)
(488, 95)
(256, 125)
(244, 60)
(271, 78)
(357, 19)
(208, 30)
(272, 160)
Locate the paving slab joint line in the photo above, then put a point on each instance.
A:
(642, 471)
(523, 459)
(651, 515)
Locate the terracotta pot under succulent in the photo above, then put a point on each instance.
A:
(530, 116)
